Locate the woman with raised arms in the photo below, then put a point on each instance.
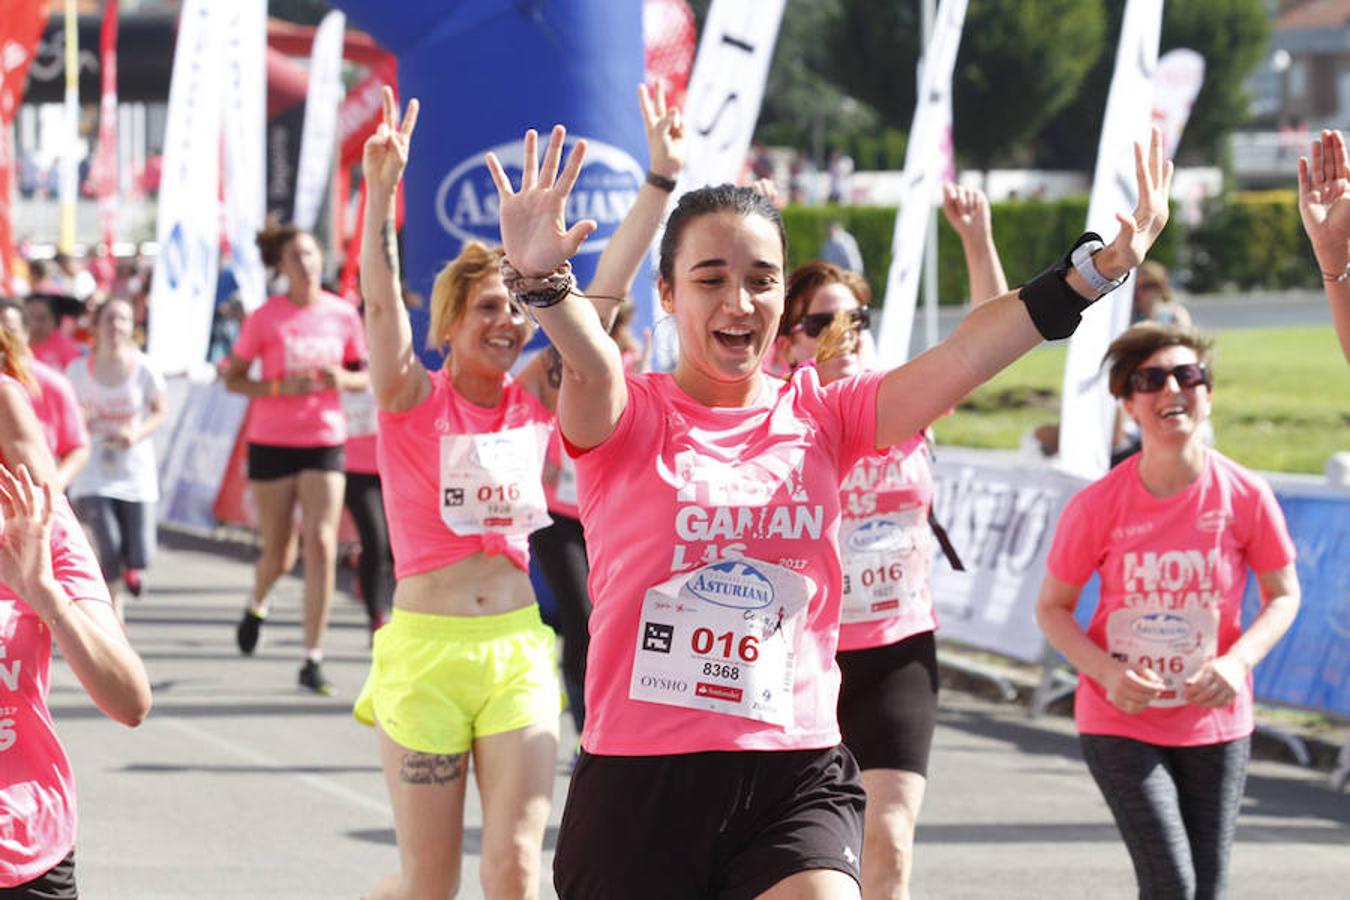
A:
(710, 498)
(465, 665)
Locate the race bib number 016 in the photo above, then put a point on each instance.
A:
(722, 639)
(1173, 643)
(884, 565)
(490, 483)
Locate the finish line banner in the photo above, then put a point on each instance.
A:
(484, 71)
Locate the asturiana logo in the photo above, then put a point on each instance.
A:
(877, 534)
(466, 200)
(1162, 627)
(734, 584)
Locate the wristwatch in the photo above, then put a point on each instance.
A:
(1081, 258)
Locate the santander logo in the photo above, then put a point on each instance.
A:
(466, 199)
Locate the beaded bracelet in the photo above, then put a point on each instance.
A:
(539, 291)
(1338, 279)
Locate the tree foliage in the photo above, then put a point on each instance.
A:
(1230, 34)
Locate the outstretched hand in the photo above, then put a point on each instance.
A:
(665, 131)
(385, 154)
(534, 233)
(25, 542)
(1324, 202)
(967, 211)
(1140, 230)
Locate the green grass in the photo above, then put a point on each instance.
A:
(1281, 400)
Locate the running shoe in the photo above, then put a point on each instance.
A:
(134, 579)
(312, 678)
(250, 627)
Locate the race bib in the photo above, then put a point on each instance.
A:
(360, 409)
(490, 483)
(722, 639)
(884, 564)
(1173, 643)
(306, 352)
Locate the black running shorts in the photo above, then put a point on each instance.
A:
(725, 825)
(268, 462)
(888, 702)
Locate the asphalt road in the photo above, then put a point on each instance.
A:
(239, 786)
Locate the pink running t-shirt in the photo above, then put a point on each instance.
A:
(1173, 571)
(58, 350)
(886, 547)
(712, 536)
(461, 479)
(58, 410)
(297, 340)
(37, 788)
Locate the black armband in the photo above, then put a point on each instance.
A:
(1055, 307)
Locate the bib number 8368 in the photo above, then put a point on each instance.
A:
(704, 641)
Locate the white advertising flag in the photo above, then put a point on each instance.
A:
(1176, 84)
(182, 295)
(727, 88)
(243, 120)
(319, 135)
(1087, 411)
(925, 164)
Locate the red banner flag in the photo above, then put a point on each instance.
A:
(103, 177)
(21, 25)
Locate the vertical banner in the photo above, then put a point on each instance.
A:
(319, 136)
(925, 164)
(103, 173)
(242, 120)
(21, 25)
(1087, 411)
(182, 294)
(726, 89)
(1176, 84)
(484, 71)
(71, 138)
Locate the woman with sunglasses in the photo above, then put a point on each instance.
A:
(1164, 700)
(465, 666)
(1324, 204)
(710, 497)
(888, 694)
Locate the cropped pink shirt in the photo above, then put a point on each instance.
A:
(461, 479)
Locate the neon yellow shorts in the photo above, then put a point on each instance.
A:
(438, 682)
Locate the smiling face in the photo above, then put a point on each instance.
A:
(488, 334)
(114, 323)
(828, 299)
(726, 294)
(1174, 414)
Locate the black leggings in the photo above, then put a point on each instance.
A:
(1176, 808)
(560, 551)
(375, 573)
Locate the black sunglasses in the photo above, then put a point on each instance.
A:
(815, 323)
(1151, 379)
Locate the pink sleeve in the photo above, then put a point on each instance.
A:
(71, 433)
(1269, 545)
(1075, 551)
(854, 401)
(249, 343)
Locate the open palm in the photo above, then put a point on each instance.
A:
(534, 231)
(1154, 175)
(1324, 201)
